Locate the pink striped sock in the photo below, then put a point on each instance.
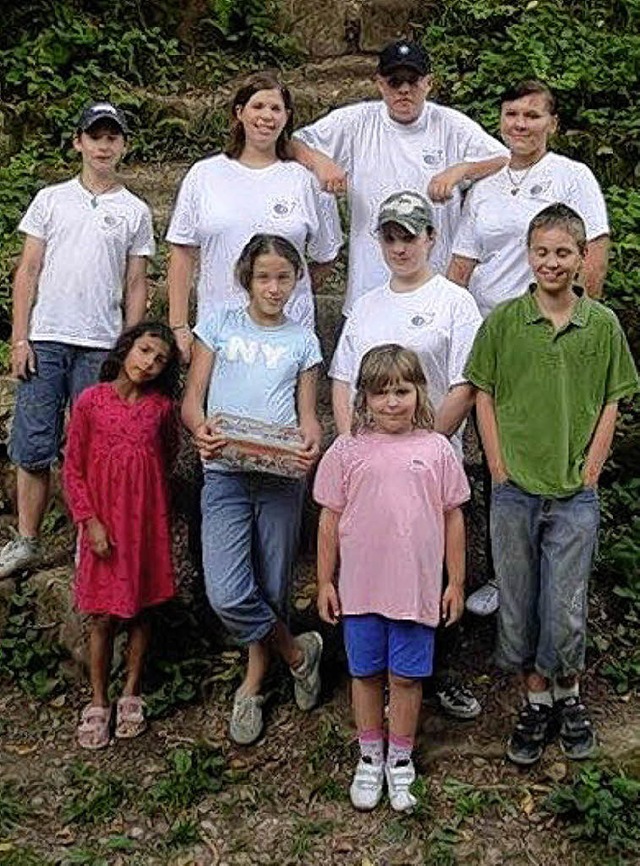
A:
(372, 745)
(400, 749)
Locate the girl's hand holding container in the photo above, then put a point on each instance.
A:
(208, 439)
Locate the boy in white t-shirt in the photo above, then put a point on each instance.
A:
(402, 142)
(438, 320)
(83, 259)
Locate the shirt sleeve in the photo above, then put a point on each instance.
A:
(311, 352)
(622, 376)
(345, 361)
(480, 368)
(329, 487)
(208, 330)
(467, 240)
(37, 219)
(333, 135)
(455, 487)
(474, 143)
(326, 237)
(183, 228)
(585, 196)
(143, 243)
(74, 470)
(464, 327)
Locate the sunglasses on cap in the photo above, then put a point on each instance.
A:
(403, 76)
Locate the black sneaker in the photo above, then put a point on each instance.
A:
(530, 735)
(577, 737)
(457, 701)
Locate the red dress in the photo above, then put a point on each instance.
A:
(114, 469)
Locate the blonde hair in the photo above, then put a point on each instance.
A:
(387, 365)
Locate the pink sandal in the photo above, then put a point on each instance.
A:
(130, 717)
(93, 730)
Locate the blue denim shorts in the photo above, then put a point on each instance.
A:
(62, 372)
(250, 529)
(543, 550)
(375, 644)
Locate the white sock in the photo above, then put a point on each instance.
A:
(562, 692)
(544, 697)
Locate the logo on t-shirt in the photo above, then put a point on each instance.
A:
(432, 157)
(283, 207)
(420, 321)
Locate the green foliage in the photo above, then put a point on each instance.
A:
(94, 797)
(602, 806)
(250, 25)
(191, 775)
(12, 807)
(26, 655)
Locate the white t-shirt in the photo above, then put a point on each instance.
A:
(381, 157)
(222, 203)
(88, 240)
(438, 321)
(494, 224)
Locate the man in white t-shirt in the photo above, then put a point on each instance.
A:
(83, 259)
(400, 143)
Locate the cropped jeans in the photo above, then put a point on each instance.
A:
(250, 529)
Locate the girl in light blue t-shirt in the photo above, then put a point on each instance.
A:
(256, 363)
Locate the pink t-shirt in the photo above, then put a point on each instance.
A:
(392, 492)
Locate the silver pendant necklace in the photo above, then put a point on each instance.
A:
(516, 184)
(95, 195)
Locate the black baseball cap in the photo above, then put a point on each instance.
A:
(403, 55)
(102, 111)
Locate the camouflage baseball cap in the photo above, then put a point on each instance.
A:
(408, 209)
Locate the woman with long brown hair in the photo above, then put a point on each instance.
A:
(252, 187)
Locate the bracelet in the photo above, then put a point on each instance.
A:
(180, 328)
(17, 343)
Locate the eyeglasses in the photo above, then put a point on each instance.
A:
(397, 79)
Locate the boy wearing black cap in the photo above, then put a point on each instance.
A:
(404, 142)
(86, 243)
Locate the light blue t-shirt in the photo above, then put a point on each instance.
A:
(256, 368)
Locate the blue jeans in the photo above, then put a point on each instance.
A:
(250, 529)
(62, 372)
(542, 551)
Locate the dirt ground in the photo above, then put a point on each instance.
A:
(184, 794)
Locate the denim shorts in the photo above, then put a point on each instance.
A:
(250, 530)
(543, 550)
(62, 372)
(375, 644)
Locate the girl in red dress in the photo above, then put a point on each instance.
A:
(121, 436)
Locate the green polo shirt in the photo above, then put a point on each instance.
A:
(550, 387)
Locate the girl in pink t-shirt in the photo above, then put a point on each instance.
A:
(391, 494)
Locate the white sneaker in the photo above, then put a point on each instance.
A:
(399, 780)
(367, 784)
(18, 554)
(246, 719)
(484, 601)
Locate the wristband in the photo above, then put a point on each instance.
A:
(17, 343)
(180, 328)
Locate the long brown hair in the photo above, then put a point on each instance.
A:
(259, 81)
(386, 365)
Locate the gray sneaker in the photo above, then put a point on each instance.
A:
(246, 719)
(18, 554)
(484, 601)
(306, 678)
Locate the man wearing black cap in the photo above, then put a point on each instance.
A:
(86, 240)
(403, 142)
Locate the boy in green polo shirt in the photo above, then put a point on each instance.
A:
(550, 367)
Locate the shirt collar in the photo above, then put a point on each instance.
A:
(579, 316)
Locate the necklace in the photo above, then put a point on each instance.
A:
(94, 195)
(516, 184)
